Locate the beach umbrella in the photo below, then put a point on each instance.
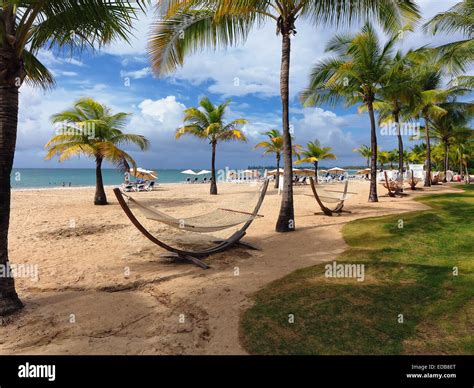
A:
(188, 172)
(336, 170)
(141, 173)
(273, 172)
(363, 172)
(203, 172)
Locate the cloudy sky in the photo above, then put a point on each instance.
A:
(120, 77)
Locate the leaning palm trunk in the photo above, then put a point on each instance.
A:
(428, 155)
(286, 218)
(9, 301)
(100, 198)
(277, 176)
(373, 143)
(213, 170)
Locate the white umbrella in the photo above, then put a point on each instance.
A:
(337, 170)
(141, 173)
(273, 172)
(203, 172)
(188, 172)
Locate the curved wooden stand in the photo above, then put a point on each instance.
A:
(193, 256)
(392, 193)
(329, 212)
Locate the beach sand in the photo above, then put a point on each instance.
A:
(103, 289)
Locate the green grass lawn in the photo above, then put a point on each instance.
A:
(408, 271)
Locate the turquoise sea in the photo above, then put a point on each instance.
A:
(29, 178)
(25, 178)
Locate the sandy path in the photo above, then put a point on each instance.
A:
(103, 290)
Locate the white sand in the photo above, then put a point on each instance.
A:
(83, 302)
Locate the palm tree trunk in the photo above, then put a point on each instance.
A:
(277, 176)
(100, 197)
(400, 144)
(9, 301)
(316, 172)
(373, 143)
(286, 218)
(213, 169)
(446, 161)
(428, 155)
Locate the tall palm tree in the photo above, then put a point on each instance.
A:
(432, 98)
(463, 144)
(458, 19)
(354, 74)
(25, 28)
(396, 94)
(364, 151)
(90, 129)
(208, 123)
(186, 26)
(274, 145)
(314, 153)
(454, 124)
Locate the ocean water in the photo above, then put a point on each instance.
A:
(29, 178)
(25, 178)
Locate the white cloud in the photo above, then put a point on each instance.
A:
(137, 74)
(166, 110)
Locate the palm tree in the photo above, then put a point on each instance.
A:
(396, 94)
(315, 153)
(392, 158)
(27, 27)
(186, 26)
(90, 128)
(452, 125)
(274, 145)
(463, 145)
(432, 99)
(208, 123)
(355, 73)
(383, 158)
(458, 19)
(364, 151)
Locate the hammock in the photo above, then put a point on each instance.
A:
(217, 220)
(331, 198)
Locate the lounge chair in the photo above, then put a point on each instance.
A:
(217, 220)
(395, 188)
(128, 187)
(328, 197)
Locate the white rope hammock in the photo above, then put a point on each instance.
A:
(214, 221)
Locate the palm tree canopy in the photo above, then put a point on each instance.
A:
(207, 122)
(187, 26)
(458, 19)
(31, 25)
(364, 150)
(90, 128)
(354, 72)
(314, 152)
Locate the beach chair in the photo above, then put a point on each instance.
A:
(331, 196)
(128, 187)
(394, 188)
(214, 221)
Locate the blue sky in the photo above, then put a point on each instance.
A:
(120, 77)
